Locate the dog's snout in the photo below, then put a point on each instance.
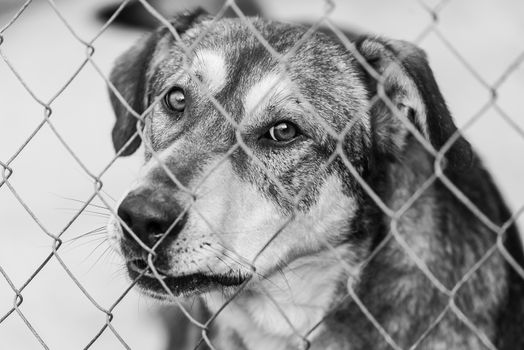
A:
(150, 214)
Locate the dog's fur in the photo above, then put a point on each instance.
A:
(302, 217)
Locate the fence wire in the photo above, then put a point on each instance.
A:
(303, 339)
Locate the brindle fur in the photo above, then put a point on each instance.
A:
(445, 235)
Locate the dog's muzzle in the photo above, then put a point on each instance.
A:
(154, 218)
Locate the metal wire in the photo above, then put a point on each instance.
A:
(303, 340)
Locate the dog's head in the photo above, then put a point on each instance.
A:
(253, 160)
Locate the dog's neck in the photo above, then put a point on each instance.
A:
(279, 310)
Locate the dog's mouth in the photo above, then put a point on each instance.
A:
(191, 284)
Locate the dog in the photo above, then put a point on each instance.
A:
(303, 198)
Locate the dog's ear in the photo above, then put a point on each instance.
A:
(129, 78)
(408, 82)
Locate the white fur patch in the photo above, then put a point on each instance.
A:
(300, 295)
(273, 88)
(212, 66)
(244, 221)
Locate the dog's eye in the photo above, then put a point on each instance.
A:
(175, 99)
(282, 132)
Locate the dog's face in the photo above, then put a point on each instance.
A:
(252, 162)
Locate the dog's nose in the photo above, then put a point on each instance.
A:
(149, 214)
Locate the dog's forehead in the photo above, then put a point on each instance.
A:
(245, 74)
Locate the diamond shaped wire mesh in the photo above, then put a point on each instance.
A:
(301, 339)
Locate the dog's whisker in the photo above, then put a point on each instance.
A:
(83, 203)
(105, 240)
(222, 255)
(225, 263)
(284, 277)
(106, 215)
(84, 244)
(121, 271)
(87, 212)
(104, 253)
(192, 304)
(225, 255)
(228, 254)
(238, 258)
(97, 231)
(88, 241)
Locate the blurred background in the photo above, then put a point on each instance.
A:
(470, 44)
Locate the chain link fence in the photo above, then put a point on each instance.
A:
(109, 310)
